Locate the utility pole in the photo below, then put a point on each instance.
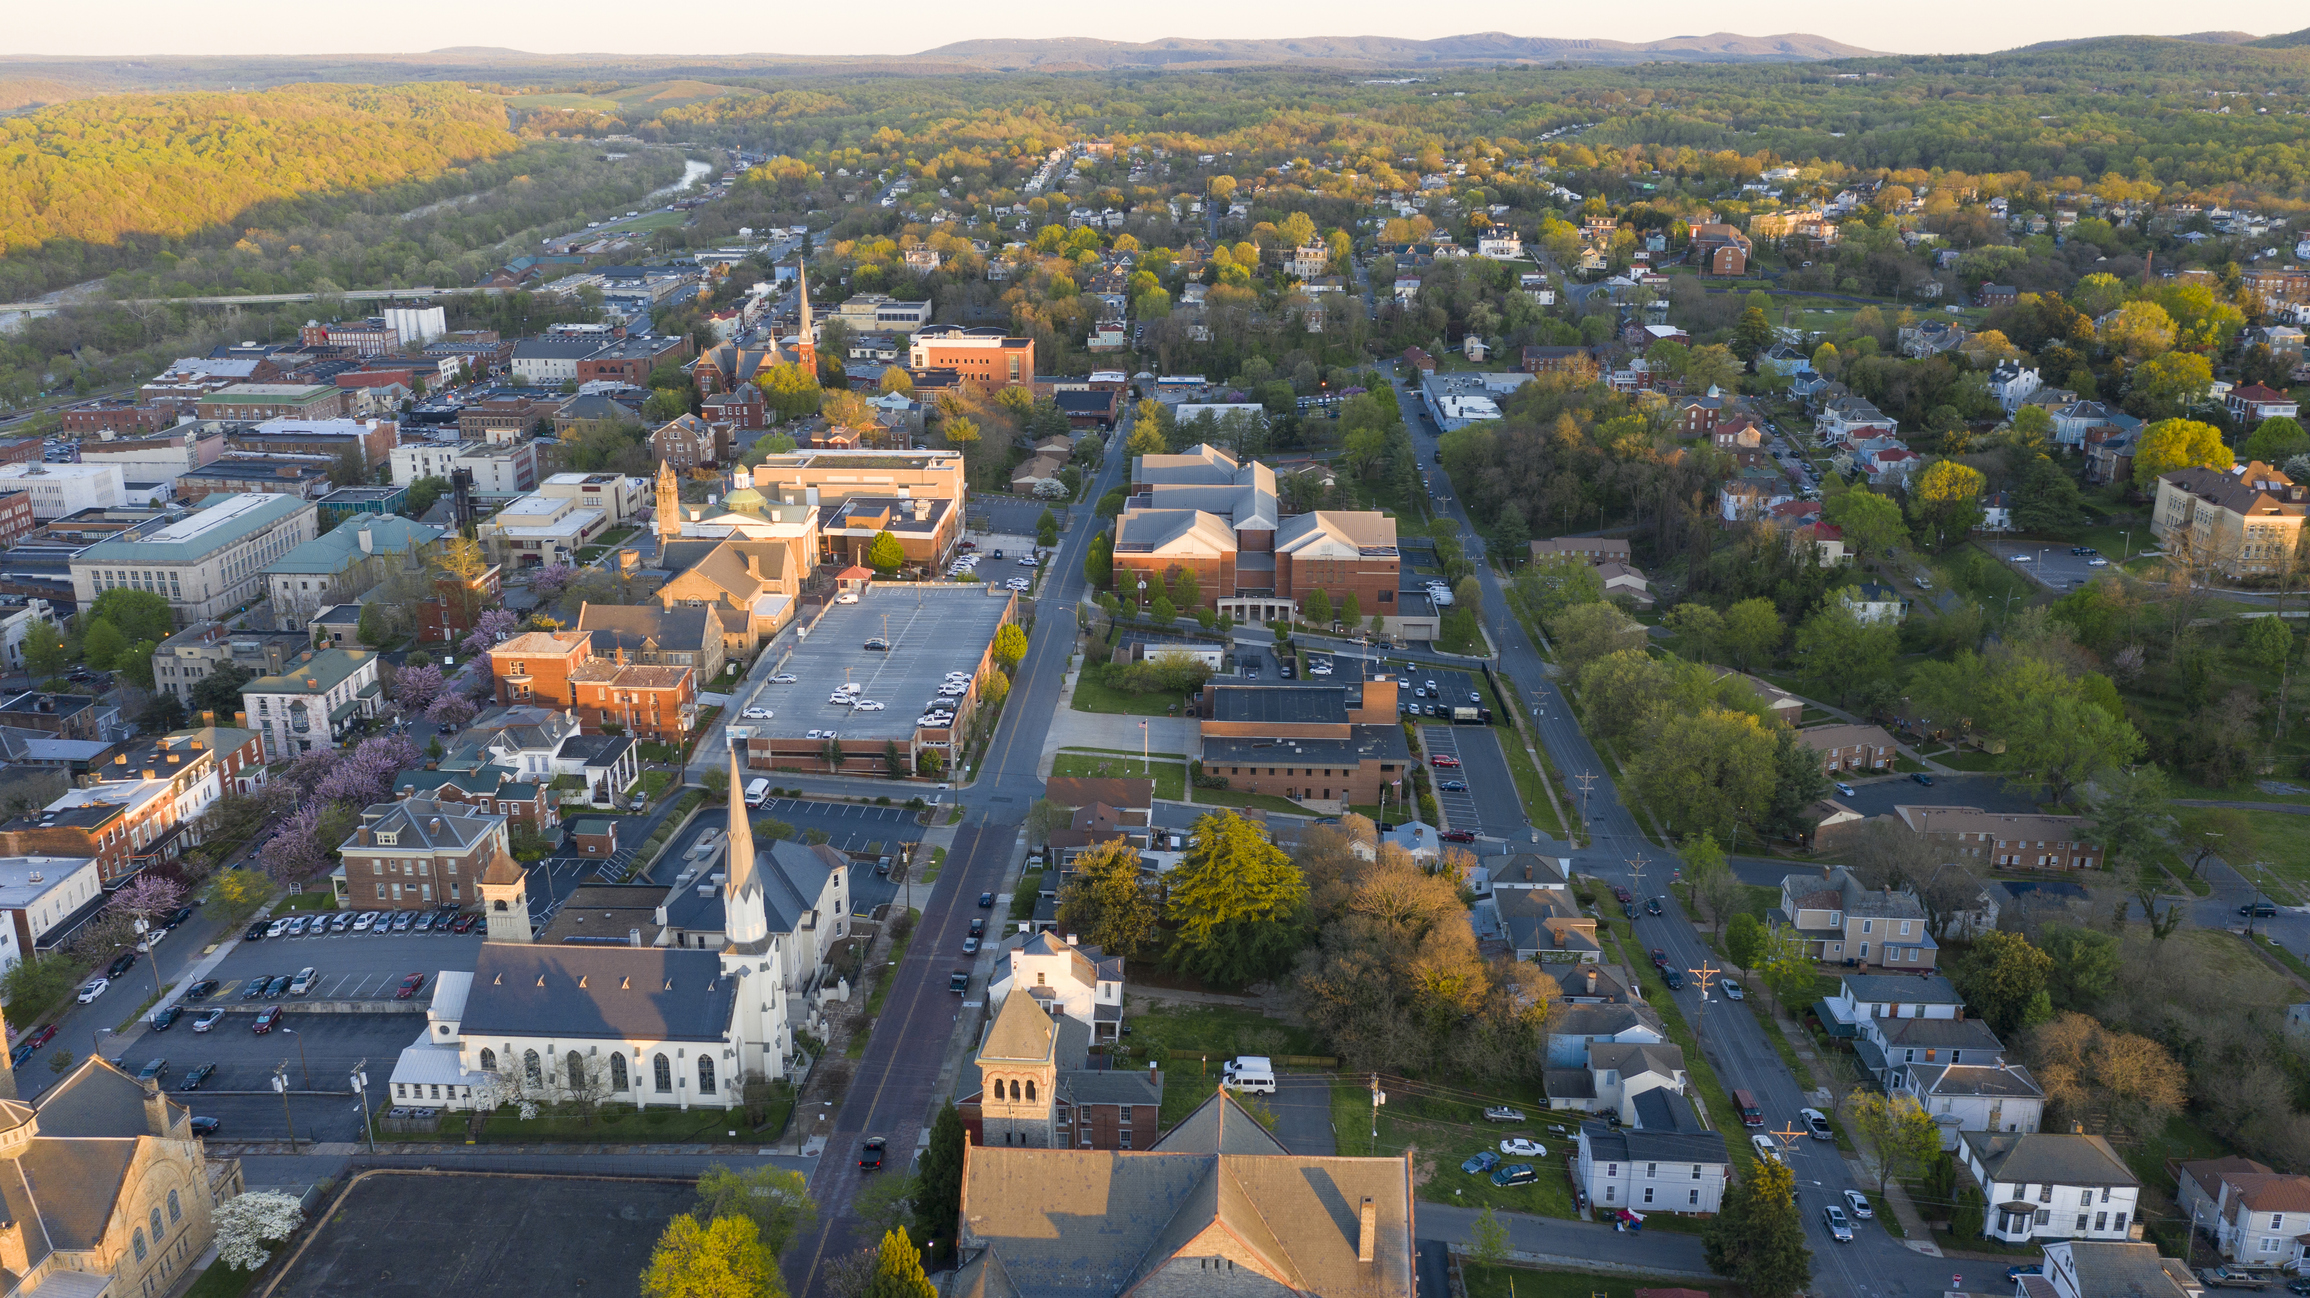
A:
(1379, 1097)
(361, 1088)
(281, 1084)
(1704, 976)
(1636, 866)
(1587, 782)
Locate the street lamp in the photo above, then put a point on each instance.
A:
(96, 1041)
(2129, 550)
(301, 1055)
(281, 1086)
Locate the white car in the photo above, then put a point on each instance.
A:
(847, 597)
(784, 678)
(815, 734)
(1765, 1147)
(867, 705)
(1857, 1203)
(2096, 562)
(2021, 558)
(757, 714)
(1519, 1147)
(93, 988)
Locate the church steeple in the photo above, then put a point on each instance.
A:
(806, 347)
(669, 503)
(744, 918)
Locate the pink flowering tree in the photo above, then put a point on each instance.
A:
(416, 688)
(313, 766)
(492, 627)
(450, 710)
(148, 897)
(296, 853)
(550, 580)
(367, 773)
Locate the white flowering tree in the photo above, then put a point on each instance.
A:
(249, 1225)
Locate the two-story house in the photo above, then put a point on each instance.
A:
(2259, 1217)
(1572, 1029)
(1840, 920)
(1987, 1096)
(417, 854)
(1887, 996)
(312, 703)
(1076, 982)
(1661, 1159)
(2051, 1186)
(1594, 984)
(1886, 1046)
(1614, 1075)
(1544, 923)
(2095, 1268)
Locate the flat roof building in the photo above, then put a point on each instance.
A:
(205, 564)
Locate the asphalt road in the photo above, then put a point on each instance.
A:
(895, 1085)
(2050, 564)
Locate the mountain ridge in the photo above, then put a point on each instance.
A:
(1389, 51)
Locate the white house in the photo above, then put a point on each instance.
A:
(2012, 383)
(17, 625)
(1661, 1160)
(1886, 1046)
(1996, 512)
(1848, 419)
(2259, 1217)
(2048, 1186)
(2097, 1268)
(313, 701)
(1870, 603)
(1614, 1075)
(37, 893)
(1572, 1029)
(1973, 1097)
(1888, 996)
(1078, 982)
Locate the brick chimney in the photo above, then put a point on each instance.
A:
(14, 1257)
(156, 1110)
(1367, 1231)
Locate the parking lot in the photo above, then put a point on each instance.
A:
(2050, 563)
(1489, 805)
(239, 1094)
(1451, 690)
(1878, 796)
(930, 629)
(351, 966)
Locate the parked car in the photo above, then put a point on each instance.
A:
(1521, 1147)
(266, 1020)
(205, 1126)
(165, 1018)
(1484, 1160)
(1844, 788)
(1503, 1113)
(279, 986)
(1515, 1174)
(1857, 1204)
(257, 932)
(362, 921)
(403, 921)
(41, 1036)
(1765, 1147)
(200, 991)
(278, 927)
(1732, 990)
(153, 1070)
(1922, 778)
(1839, 1228)
(1674, 979)
(1458, 836)
(409, 986)
(192, 1080)
(256, 989)
(207, 1020)
(121, 964)
(1659, 958)
(464, 923)
(986, 901)
(93, 988)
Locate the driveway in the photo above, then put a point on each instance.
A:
(1878, 795)
(2049, 563)
(1302, 1108)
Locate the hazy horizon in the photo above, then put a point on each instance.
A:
(270, 28)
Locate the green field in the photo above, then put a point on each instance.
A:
(1168, 770)
(593, 103)
(1523, 1282)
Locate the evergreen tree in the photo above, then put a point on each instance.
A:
(898, 1270)
(1047, 529)
(1798, 783)
(1238, 902)
(1099, 561)
(938, 1198)
(1759, 1239)
(885, 554)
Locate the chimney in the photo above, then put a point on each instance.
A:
(1074, 940)
(633, 937)
(1367, 1230)
(367, 539)
(1592, 978)
(754, 565)
(13, 1255)
(156, 1111)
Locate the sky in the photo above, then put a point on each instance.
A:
(164, 27)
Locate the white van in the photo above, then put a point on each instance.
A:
(1250, 1073)
(757, 792)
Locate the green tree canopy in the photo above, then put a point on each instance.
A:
(1106, 902)
(1238, 903)
(1759, 1239)
(2276, 440)
(2171, 444)
(2004, 978)
(136, 614)
(885, 553)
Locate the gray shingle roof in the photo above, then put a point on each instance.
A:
(2048, 1158)
(610, 992)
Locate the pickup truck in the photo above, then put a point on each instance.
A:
(2230, 1277)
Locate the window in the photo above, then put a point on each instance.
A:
(574, 1064)
(2277, 1219)
(1696, 1174)
(531, 1068)
(2045, 1194)
(662, 1073)
(175, 1213)
(1612, 1169)
(488, 1060)
(2269, 1243)
(1030, 1091)
(618, 1071)
(2118, 1223)
(1867, 925)
(137, 1241)
(2081, 1223)
(156, 1231)
(705, 1074)
(1648, 1194)
(1692, 1198)
(1651, 1170)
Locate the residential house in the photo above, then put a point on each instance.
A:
(2006, 840)
(314, 702)
(1216, 1204)
(1595, 984)
(1884, 1047)
(1849, 419)
(2074, 421)
(1751, 494)
(1887, 996)
(1890, 465)
(2051, 1186)
(2096, 1268)
(1850, 747)
(123, 825)
(1930, 338)
(1543, 923)
(1720, 249)
(1620, 579)
(2013, 383)
(613, 695)
(655, 636)
(488, 790)
(2110, 459)
(417, 854)
(1664, 1160)
(1572, 1029)
(1614, 1074)
(2244, 521)
(1872, 602)
(1696, 416)
(1065, 980)
(1996, 512)
(1985, 1096)
(1997, 295)
(1065, 1104)
(689, 442)
(2253, 403)
(1841, 921)
(2258, 1217)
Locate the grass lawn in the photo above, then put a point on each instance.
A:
(1968, 759)
(1450, 1131)
(1097, 696)
(613, 1124)
(221, 1281)
(1219, 1032)
(1238, 798)
(1524, 1282)
(323, 900)
(2284, 845)
(1528, 783)
(1168, 771)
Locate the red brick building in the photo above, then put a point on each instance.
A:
(536, 666)
(558, 669)
(449, 612)
(116, 417)
(986, 359)
(630, 360)
(15, 516)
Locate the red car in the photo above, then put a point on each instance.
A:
(41, 1037)
(1458, 836)
(1622, 895)
(1445, 760)
(1659, 958)
(464, 923)
(266, 1020)
(409, 986)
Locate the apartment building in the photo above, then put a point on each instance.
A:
(688, 442)
(1840, 920)
(1850, 747)
(539, 529)
(986, 359)
(2240, 522)
(535, 667)
(123, 826)
(501, 471)
(313, 702)
(1205, 513)
(206, 564)
(418, 853)
(1999, 839)
(38, 893)
(880, 313)
(647, 701)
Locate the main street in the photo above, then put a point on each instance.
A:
(895, 1087)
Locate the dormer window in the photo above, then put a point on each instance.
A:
(387, 837)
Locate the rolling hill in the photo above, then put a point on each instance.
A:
(1477, 48)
